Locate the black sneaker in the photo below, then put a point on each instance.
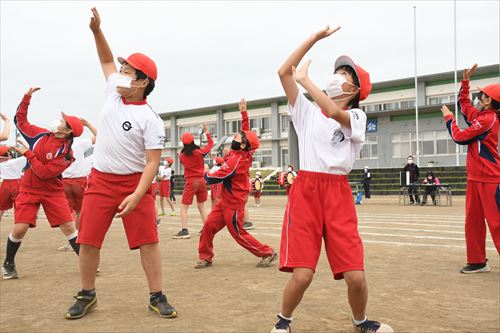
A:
(183, 234)
(476, 268)
(282, 326)
(161, 306)
(9, 271)
(158, 221)
(248, 225)
(372, 326)
(82, 305)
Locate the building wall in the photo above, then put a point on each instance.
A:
(391, 107)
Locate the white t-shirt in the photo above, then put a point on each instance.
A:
(80, 166)
(165, 173)
(324, 145)
(12, 169)
(125, 132)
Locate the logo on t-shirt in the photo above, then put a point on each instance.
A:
(49, 156)
(127, 126)
(338, 137)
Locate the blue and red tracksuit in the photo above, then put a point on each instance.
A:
(230, 209)
(483, 174)
(46, 157)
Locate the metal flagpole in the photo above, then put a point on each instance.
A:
(416, 87)
(455, 70)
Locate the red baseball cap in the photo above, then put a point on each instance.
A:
(141, 62)
(492, 90)
(363, 76)
(253, 140)
(187, 138)
(3, 150)
(169, 160)
(74, 123)
(219, 160)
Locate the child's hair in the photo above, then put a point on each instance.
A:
(494, 104)
(151, 83)
(354, 103)
(188, 149)
(68, 151)
(430, 173)
(245, 141)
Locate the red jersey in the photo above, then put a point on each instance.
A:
(481, 137)
(234, 176)
(46, 157)
(194, 165)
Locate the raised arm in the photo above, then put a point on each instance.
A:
(91, 127)
(6, 127)
(245, 124)
(285, 71)
(205, 150)
(103, 49)
(466, 108)
(482, 125)
(31, 133)
(324, 102)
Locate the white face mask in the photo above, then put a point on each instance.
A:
(289, 169)
(124, 81)
(54, 126)
(334, 86)
(410, 161)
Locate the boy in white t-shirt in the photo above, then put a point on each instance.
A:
(126, 158)
(320, 204)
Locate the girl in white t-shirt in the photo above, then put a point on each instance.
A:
(320, 204)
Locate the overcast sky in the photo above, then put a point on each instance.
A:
(215, 52)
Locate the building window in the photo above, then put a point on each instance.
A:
(263, 157)
(408, 104)
(285, 158)
(370, 148)
(212, 128)
(285, 123)
(233, 127)
(262, 125)
(431, 143)
(440, 100)
(168, 137)
(196, 131)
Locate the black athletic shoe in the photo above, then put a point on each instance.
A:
(9, 271)
(476, 268)
(282, 326)
(372, 326)
(183, 234)
(161, 306)
(82, 305)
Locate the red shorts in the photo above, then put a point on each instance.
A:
(104, 194)
(257, 194)
(55, 207)
(165, 188)
(194, 187)
(73, 189)
(320, 206)
(154, 190)
(216, 191)
(8, 193)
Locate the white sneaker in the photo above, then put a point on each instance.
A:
(64, 248)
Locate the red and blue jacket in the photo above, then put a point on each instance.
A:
(234, 174)
(46, 156)
(481, 138)
(194, 165)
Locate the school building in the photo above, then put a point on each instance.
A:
(391, 132)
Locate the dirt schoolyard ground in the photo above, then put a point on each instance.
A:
(412, 254)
